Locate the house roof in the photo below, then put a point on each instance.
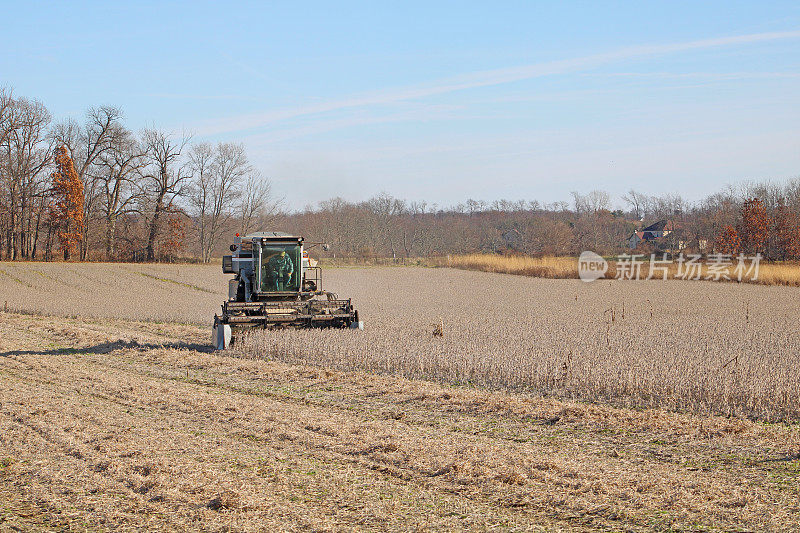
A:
(662, 225)
(657, 226)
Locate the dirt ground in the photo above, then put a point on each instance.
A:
(112, 424)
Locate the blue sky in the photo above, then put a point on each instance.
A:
(438, 101)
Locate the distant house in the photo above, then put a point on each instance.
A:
(668, 236)
(654, 234)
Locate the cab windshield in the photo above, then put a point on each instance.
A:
(280, 267)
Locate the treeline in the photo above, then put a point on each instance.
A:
(98, 190)
(385, 226)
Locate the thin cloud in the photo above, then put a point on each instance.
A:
(708, 75)
(485, 79)
(186, 96)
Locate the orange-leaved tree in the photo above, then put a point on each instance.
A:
(753, 228)
(728, 241)
(66, 212)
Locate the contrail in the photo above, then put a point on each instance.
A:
(485, 78)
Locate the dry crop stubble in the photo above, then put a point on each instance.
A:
(158, 292)
(701, 347)
(134, 434)
(726, 349)
(114, 424)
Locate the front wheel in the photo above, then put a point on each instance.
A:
(220, 335)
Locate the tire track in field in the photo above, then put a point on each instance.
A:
(416, 474)
(362, 456)
(80, 456)
(299, 425)
(168, 281)
(381, 405)
(237, 438)
(91, 462)
(245, 434)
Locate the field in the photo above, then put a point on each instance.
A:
(546, 405)
(178, 293)
(706, 348)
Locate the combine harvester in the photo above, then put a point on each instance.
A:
(276, 285)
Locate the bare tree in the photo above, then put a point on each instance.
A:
(85, 144)
(589, 209)
(637, 203)
(6, 100)
(385, 209)
(598, 201)
(591, 203)
(165, 179)
(258, 206)
(116, 175)
(216, 189)
(413, 227)
(336, 224)
(201, 162)
(25, 156)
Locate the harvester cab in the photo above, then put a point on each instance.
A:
(276, 285)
